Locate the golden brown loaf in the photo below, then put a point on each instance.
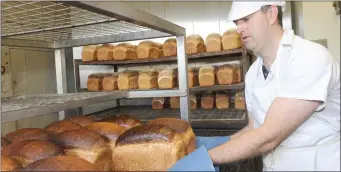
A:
(169, 47)
(231, 39)
(94, 82)
(9, 164)
(158, 102)
(110, 81)
(108, 130)
(29, 151)
(167, 78)
(126, 121)
(213, 42)
(61, 126)
(148, 147)
(148, 49)
(227, 74)
(81, 120)
(174, 102)
(26, 134)
(86, 144)
(222, 101)
(105, 52)
(124, 51)
(239, 100)
(181, 127)
(148, 79)
(61, 163)
(4, 142)
(195, 44)
(89, 53)
(207, 101)
(193, 79)
(207, 76)
(128, 80)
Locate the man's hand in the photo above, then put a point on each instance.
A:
(284, 116)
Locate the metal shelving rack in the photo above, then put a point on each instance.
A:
(63, 25)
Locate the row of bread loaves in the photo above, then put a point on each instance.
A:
(122, 51)
(207, 101)
(127, 80)
(83, 144)
(163, 79)
(150, 50)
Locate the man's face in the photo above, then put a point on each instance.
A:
(253, 30)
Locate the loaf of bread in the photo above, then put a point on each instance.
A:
(148, 147)
(174, 102)
(89, 53)
(167, 78)
(213, 42)
(110, 81)
(239, 100)
(207, 101)
(86, 144)
(61, 163)
(9, 164)
(158, 102)
(207, 76)
(29, 151)
(181, 127)
(81, 120)
(227, 74)
(195, 44)
(4, 142)
(193, 79)
(231, 39)
(125, 51)
(148, 49)
(126, 121)
(108, 130)
(61, 126)
(169, 47)
(222, 101)
(26, 134)
(105, 52)
(94, 82)
(148, 80)
(127, 80)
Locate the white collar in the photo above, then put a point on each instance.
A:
(286, 40)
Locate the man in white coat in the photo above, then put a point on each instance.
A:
(292, 95)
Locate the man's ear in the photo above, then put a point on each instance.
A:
(273, 13)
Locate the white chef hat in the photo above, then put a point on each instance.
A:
(242, 9)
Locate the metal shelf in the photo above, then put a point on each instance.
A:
(69, 24)
(205, 55)
(21, 107)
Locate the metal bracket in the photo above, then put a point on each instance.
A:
(337, 6)
(3, 70)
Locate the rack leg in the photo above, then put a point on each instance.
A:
(60, 63)
(183, 78)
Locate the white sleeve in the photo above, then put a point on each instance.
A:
(308, 80)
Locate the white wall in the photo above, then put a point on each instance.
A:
(28, 71)
(321, 22)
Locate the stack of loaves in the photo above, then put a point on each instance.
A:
(164, 78)
(118, 143)
(147, 49)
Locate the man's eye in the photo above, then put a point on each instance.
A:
(245, 19)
